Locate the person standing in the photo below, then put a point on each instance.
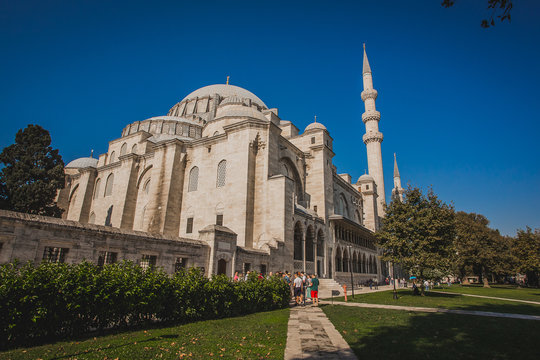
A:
(298, 287)
(315, 289)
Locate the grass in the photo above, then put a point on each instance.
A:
(393, 334)
(503, 291)
(255, 336)
(446, 301)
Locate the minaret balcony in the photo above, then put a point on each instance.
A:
(371, 116)
(371, 137)
(369, 94)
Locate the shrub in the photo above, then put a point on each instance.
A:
(52, 301)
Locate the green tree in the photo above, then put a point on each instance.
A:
(499, 8)
(32, 173)
(526, 249)
(479, 249)
(418, 233)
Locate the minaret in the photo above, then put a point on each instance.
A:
(373, 138)
(397, 182)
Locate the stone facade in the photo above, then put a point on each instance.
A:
(224, 182)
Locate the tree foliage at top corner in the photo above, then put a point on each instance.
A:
(499, 8)
(418, 233)
(32, 173)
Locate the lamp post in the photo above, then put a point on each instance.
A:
(350, 269)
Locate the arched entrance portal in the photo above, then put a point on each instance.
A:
(222, 267)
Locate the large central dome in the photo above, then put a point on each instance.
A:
(203, 102)
(225, 91)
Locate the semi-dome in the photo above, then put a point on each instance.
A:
(83, 163)
(225, 91)
(315, 126)
(239, 111)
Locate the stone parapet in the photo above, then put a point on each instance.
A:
(369, 94)
(371, 137)
(371, 116)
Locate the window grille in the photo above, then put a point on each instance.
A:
(189, 226)
(107, 257)
(247, 267)
(313, 140)
(55, 254)
(219, 219)
(148, 261)
(221, 173)
(193, 179)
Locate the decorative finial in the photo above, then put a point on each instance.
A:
(364, 46)
(315, 118)
(227, 80)
(92, 153)
(365, 172)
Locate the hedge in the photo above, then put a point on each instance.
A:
(52, 301)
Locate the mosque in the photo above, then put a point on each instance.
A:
(222, 183)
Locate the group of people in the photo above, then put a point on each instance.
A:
(304, 287)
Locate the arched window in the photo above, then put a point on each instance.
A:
(221, 173)
(345, 261)
(338, 259)
(146, 186)
(73, 196)
(109, 185)
(298, 235)
(123, 149)
(193, 179)
(320, 243)
(134, 149)
(92, 218)
(112, 158)
(96, 188)
(310, 237)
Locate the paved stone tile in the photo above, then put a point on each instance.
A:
(311, 335)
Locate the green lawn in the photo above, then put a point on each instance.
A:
(503, 291)
(393, 334)
(261, 335)
(446, 301)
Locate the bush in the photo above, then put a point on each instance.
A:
(52, 301)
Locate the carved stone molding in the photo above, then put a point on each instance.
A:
(371, 116)
(369, 94)
(371, 137)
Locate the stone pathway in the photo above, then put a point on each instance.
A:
(488, 297)
(311, 335)
(433, 310)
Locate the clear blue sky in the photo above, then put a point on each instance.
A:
(459, 103)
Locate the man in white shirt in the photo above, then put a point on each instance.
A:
(298, 287)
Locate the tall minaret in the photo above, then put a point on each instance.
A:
(373, 138)
(397, 190)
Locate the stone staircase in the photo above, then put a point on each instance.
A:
(326, 286)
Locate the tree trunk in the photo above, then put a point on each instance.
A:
(484, 278)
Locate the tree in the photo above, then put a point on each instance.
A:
(479, 249)
(418, 233)
(527, 252)
(32, 173)
(499, 8)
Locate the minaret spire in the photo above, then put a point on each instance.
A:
(366, 68)
(396, 170)
(373, 137)
(397, 190)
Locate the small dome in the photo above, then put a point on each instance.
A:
(366, 178)
(236, 110)
(315, 126)
(83, 163)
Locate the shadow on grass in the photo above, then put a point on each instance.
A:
(392, 334)
(446, 300)
(127, 343)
